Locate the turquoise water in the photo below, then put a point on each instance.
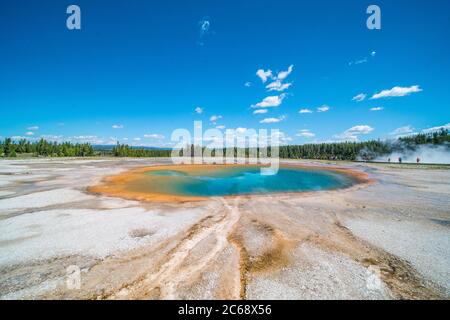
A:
(248, 180)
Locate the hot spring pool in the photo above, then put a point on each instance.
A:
(235, 180)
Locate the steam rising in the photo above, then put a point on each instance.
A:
(427, 153)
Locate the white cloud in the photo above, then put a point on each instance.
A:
(405, 130)
(373, 53)
(248, 84)
(29, 133)
(305, 133)
(220, 127)
(50, 137)
(84, 137)
(360, 129)
(241, 130)
(271, 101)
(137, 139)
(353, 133)
(87, 139)
(154, 136)
(376, 109)
(397, 92)
(359, 97)
(214, 119)
(198, 110)
(434, 129)
(284, 74)
(305, 111)
(323, 108)
(278, 86)
(273, 120)
(260, 111)
(117, 126)
(264, 75)
(17, 138)
(279, 138)
(33, 128)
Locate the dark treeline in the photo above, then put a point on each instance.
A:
(9, 148)
(123, 150)
(367, 150)
(333, 151)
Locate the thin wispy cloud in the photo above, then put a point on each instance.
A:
(376, 109)
(247, 84)
(360, 97)
(397, 92)
(33, 128)
(29, 133)
(356, 62)
(154, 136)
(434, 129)
(323, 108)
(305, 133)
(402, 131)
(260, 111)
(303, 111)
(278, 86)
(362, 60)
(272, 120)
(117, 126)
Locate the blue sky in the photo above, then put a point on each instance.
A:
(137, 69)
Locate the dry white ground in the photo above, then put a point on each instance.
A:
(387, 240)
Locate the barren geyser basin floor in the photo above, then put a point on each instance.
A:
(369, 231)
